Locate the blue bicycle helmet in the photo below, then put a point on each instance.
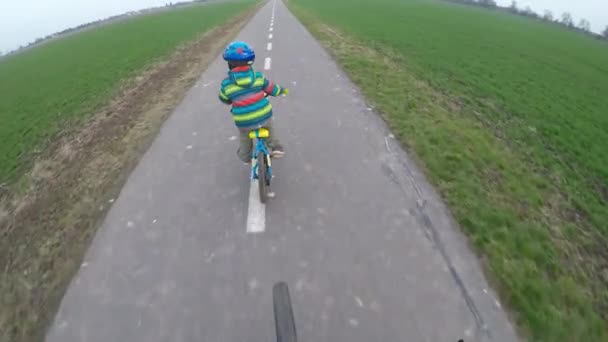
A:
(239, 52)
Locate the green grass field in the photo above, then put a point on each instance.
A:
(50, 87)
(509, 117)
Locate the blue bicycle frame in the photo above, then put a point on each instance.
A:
(260, 146)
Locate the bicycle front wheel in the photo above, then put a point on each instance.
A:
(262, 174)
(283, 313)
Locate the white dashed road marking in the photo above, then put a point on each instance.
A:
(256, 213)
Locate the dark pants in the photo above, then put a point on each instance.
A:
(246, 144)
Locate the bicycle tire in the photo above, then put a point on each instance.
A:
(262, 183)
(283, 313)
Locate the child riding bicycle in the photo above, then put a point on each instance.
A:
(246, 90)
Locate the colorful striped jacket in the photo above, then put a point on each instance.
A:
(245, 90)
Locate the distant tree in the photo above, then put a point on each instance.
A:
(567, 19)
(548, 16)
(585, 25)
(528, 12)
(487, 3)
(513, 7)
(466, 2)
(605, 32)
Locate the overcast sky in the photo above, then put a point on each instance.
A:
(596, 11)
(22, 21)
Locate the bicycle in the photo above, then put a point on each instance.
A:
(261, 163)
(283, 313)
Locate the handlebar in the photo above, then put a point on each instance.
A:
(284, 92)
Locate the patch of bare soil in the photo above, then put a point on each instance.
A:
(46, 224)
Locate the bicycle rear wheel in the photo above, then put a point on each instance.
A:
(262, 174)
(283, 313)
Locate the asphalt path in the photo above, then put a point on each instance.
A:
(369, 251)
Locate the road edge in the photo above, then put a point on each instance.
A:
(494, 322)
